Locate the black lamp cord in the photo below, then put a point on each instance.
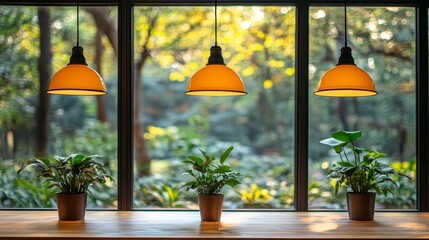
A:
(215, 22)
(345, 23)
(77, 23)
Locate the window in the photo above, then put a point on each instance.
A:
(383, 44)
(258, 43)
(169, 41)
(53, 125)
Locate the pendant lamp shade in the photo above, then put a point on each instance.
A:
(216, 79)
(346, 79)
(77, 78)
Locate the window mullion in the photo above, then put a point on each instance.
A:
(422, 130)
(125, 119)
(301, 107)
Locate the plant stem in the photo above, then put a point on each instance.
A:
(345, 154)
(353, 149)
(354, 152)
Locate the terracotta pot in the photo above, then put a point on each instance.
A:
(210, 207)
(71, 207)
(361, 206)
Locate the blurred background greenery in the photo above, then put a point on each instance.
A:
(170, 44)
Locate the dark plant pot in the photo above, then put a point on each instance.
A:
(210, 207)
(361, 206)
(71, 207)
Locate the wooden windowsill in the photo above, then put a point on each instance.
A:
(187, 225)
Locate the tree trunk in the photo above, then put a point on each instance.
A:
(402, 131)
(45, 71)
(342, 113)
(105, 25)
(141, 156)
(101, 103)
(140, 150)
(356, 107)
(3, 141)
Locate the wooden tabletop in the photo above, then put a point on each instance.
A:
(187, 225)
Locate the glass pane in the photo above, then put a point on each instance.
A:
(171, 44)
(35, 124)
(383, 44)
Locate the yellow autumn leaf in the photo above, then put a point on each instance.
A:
(248, 71)
(290, 71)
(177, 76)
(268, 84)
(275, 63)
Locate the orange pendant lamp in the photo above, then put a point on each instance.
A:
(77, 78)
(345, 79)
(216, 79)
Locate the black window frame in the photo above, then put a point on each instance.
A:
(125, 86)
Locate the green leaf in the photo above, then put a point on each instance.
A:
(358, 150)
(188, 161)
(189, 172)
(225, 154)
(347, 137)
(45, 160)
(53, 185)
(383, 168)
(339, 148)
(232, 182)
(204, 154)
(197, 160)
(209, 177)
(345, 164)
(222, 169)
(77, 158)
(331, 142)
(68, 177)
(30, 162)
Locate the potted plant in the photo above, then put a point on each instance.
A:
(209, 178)
(72, 175)
(360, 172)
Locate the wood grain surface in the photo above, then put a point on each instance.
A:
(187, 225)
